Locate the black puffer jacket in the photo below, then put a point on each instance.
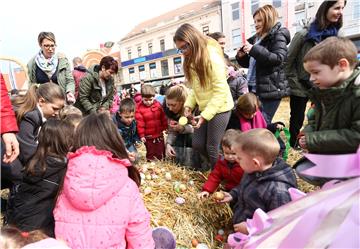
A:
(31, 205)
(270, 55)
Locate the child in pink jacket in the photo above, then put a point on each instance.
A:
(100, 205)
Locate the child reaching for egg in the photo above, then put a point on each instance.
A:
(226, 168)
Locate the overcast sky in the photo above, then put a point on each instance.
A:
(78, 25)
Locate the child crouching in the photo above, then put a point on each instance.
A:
(266, 180)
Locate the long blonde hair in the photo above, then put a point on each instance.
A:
(199, 59)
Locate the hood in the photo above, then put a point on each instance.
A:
(93, 177)
(280, 172)
(54, 165)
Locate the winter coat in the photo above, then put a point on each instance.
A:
(266, 190)
(238, 87)
(100, 206)
(335, 128)
(7, 115)
(78, 73)
(231, 173)
(90, 98)
(270, 55)
(31, 206)
(63, 74)
(128, 133)
(216, 97)
(297, 77)
(151, 120)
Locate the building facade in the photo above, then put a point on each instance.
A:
(148, 52)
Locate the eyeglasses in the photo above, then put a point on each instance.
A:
(186, 46)
(49, 46)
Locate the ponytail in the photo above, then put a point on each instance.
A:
(48, 91)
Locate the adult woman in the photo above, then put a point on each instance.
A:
(205, 70)
(264, 55)
(328, 21)
(179, 136)
(46, 66)
(96, 91)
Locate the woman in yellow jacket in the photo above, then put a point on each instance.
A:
(205, 70)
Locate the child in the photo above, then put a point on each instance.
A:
(124, 120)
(226, 168)
(69, 109)
(267, 177)
(30, 206)
(151, 122)
(32, 110)
(335, 128)
(100, 205)
(13, 238)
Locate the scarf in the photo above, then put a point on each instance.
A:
(48, 66)
(319, 35)
(257, 121)
(251, 75)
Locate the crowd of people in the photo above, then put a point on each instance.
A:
(71, 167)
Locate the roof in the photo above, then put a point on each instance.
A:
(174, 15)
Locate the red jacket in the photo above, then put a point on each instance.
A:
(223, 170)
(151, 120)
(7, 116)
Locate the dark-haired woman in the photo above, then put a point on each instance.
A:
(46, 66)
(96, 90)
(328, 21)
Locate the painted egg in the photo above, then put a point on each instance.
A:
(194, 242)
(168, 176)
(202, 246)
(180, 200)
(154, 176)
(219, 196)
(182, 187)
(191, 182)
(147, 191)
(183, 121)
(148, 177)
(142, 176)
(221, 232)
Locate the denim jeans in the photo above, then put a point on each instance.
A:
(269, 108)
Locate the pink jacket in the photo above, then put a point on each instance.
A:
(100, 206)
(257, 121)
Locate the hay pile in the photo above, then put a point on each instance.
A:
(195, 219)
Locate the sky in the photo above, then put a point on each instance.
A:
(78, 25)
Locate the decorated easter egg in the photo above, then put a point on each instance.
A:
(147, 190)
(194, 242)
(142, 176)
(202, 246)
(221, 232)
(183, 121)
(154, 176)
(191, 183)
(148, 177)
(219, 196)
(182, 187)
(168, 176)
(180, 200)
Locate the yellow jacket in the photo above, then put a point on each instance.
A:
(216, 97)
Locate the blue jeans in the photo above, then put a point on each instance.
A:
(269, 108)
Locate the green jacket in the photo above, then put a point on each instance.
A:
(64, 75)
(335, 128)
(297, 77)
(90, 99)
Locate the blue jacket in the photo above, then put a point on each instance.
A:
(128, 133)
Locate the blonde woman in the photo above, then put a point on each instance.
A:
(205, 70)
(265, 54)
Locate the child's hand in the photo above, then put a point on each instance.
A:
(170, 152)
(280, 126)
(203, 194)
(132, 156)
(176, 127)
(199, 122)
(227, 198)
(241, 228)
(302, 142)
(143, 139)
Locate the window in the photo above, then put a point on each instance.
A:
(205, 30)
(276, 3)
(129, 53)
(254, 5)
(139, 51)
(235, 11)
(131, 74)
(177, 66)
(164, 68)
(142, 73)
(356, 13)
(236, 37)
(152, 67)
(150, 47)
(162, 45)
